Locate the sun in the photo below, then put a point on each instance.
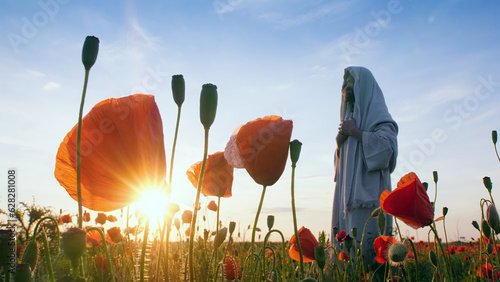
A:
(152, 203)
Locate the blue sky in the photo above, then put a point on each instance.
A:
(437, 64)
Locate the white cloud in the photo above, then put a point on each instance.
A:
(51, 85)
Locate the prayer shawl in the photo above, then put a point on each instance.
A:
(363, 168)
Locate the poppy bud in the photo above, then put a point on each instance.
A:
(381, 223)
(494, 136)
(476, 225)
(397, 253)
(435, 176)
(348, 241)
(232, 226)
(487, 183)
(89, 51)
(354, 232)
(23, 273)
(270, 221)
(208, 104)
(30, 255)
(492, 218)
(490, 248)
(486, 229)
(426, 185)
(295, 147)
(433, 258)
(376, 212)
(73, 243)
(178, 89)
(220, 237)
(445, 211)
(320, 256)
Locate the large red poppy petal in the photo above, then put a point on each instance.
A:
(246, 134)
(218, 178)
(122, 153)
(269, 152)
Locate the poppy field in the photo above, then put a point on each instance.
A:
(119, 145)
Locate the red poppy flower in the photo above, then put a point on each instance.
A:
(114, 234)
(341, 235)
(307, 243)
(212, 206)
(261, 147)
(486, 271)
(187, 215)
(218, 177)
(65, 219)
(177, 223)
(381, 246)
(409, 202)
(231, 268)
(93, 238)
(122, 153)
(100, 263)
(112, 218)
(101, 218)
(343, 256)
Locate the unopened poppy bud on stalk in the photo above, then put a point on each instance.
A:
(435, 176)
(270, 221)
(30, 255)
(445, 211)
(295, 147)
(476, 225)
(381, 223)
(426, 185)
(487, 183)
(220, 237)
(178, 89)
(89, 51)
(492, 218)
(232, 226)
(494, 136)
(397, 254)
(320, 256)
(486, 229)
(354, 232)
(208, 104)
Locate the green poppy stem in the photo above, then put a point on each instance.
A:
(78, 152)
(283, 250)
(196, 202)
(48, 262)
(252, 248)
(445, 257)
(174, 145)
(216, 232)
(416, 258)
(143, 253)
(297, 239)
(56, 224)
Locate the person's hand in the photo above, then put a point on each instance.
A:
(348, 127)
(340, 138)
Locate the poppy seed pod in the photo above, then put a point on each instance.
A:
(270, 221)
(30, 255)
(445, 211)
(348, 242)
(397, 253)
(295, 147)
(487, 183)
(319, 253)
(426, 185)
(486, 229)
(354, 232)
(433, 258)
(492, 218)
(220, 237)
(494, 137)
(73, 243)
(435, 176)
(208, 104)
(490, 248)
(178, 89)
(89, 51)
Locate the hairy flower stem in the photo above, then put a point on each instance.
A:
(252, 248)
(143, 253)
(47, 257)
(283, 250)
(106, 251)
(195, 213)
(56, 224)
(78, 153)
(297, 239)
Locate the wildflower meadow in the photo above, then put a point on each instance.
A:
(115, 154)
